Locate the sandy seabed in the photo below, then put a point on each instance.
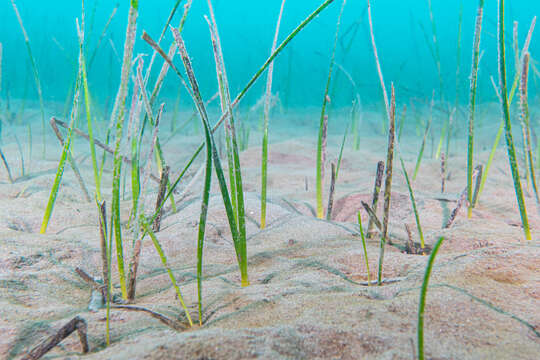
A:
(306, 300)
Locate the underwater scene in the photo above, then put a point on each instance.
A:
(284, 179)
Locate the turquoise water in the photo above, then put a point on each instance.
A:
(402, 28)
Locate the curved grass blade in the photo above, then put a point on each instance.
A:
(103, 32)
(472, 104)
(340, 156)
(323, 124)
(364, 246)
(238, 192)
(264, 162)
(202, 219)
(118, 119)
(377, 62)
(6, 165)
(134, 263)
(423, 293)
(391, 112)
(375, 197)
(334, 177)
(525, 115)
(422, 146)
(71, 161)
(413, 202)
(401, 123)
(163, 31)
(132, 137)
(331, 192)
(106, 264)
(163, 258)
(65, 150)
(517, 77)
(87, 108)
(388, 180)
(508, 127)
(224, 98)
(355, 124)
(35, 72)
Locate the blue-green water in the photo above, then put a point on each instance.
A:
(402, 29)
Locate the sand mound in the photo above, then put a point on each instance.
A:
(306, 299)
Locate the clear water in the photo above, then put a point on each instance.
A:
(246, 28)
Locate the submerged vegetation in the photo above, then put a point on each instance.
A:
(422, 302)
(507, 124)
(133, 148)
